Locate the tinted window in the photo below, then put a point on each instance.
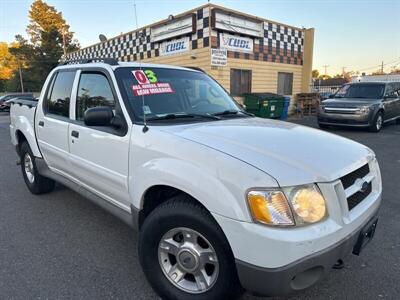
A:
(240, 82)
(93, 90)
(60, 96)
(285, 83)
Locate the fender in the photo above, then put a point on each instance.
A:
(23, 122)
(216, 180)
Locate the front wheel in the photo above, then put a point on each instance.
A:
(377, 122)
(36, 183)
(185, 255)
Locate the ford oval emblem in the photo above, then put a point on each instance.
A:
(364, 187)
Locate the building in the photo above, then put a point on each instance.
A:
(242, 52)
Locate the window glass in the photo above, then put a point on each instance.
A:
(171, 91)
(93, 90)
(285, 83)
(240, 82)
(60, 96)
(361, 91)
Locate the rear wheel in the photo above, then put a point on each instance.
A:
(36, 183)
(377, 122)
(185, 255)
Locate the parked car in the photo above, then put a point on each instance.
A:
(362, 104)
(5, 105)
(222, 200)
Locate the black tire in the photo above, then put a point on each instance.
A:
(39, 184)
(377, 122)
(182, 211)
(398, 120)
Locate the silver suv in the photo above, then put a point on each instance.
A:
(362, 104)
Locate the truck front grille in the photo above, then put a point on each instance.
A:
(349, 179)
(356, 198)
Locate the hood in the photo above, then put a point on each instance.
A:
(349, 102)
(290, 153)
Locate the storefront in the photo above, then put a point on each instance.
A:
(243, 52)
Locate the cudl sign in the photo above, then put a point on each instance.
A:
(175, 46)
(236, 43)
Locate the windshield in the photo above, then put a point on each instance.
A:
(361, 91)
(165, 94)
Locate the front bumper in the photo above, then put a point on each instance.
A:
(298, 275)
(336, 119)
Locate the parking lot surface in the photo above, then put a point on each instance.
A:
(61, 246)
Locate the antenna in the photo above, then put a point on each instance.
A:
(145, 128)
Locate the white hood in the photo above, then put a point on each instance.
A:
(290, 153)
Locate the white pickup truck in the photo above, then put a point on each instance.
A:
(223, 201)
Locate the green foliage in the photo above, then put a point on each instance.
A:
(48, 33)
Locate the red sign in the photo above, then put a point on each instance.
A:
(151, 88)
(141, 77)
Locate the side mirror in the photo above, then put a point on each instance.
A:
(99, 116)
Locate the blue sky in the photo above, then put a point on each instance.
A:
(355, 34)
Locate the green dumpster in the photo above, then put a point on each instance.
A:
(264, 105)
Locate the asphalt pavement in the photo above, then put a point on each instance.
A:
(61, 246)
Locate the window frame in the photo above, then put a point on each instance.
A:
(118, 109)
(240, 83)
(277, 84)
(49, 91)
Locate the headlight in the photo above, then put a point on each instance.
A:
(363, 109)
(299, 205)
(307, 203)
(270, 207)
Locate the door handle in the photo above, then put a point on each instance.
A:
(75, 134)
(41, 123)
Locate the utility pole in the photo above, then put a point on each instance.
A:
(20, 75)
(64, 43)
(325, 67)
(382, 68)
(343, 70)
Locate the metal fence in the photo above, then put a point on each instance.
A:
(324, 88)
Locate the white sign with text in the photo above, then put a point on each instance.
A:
(219, 57)
(236, 43)
(174, 47)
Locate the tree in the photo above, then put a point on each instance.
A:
(8, 63)
(315, 74)
(44, 18)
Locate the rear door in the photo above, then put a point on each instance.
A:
(99, 155)
(391, 101)
(52, 120)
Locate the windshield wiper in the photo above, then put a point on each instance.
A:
(182, 116)
(232, 112)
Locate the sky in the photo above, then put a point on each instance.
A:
(355, 34)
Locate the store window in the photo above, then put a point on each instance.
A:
(285, 83)
(240, 82)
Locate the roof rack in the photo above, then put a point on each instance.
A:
(106, 60)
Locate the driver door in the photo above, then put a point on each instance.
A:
(99, 155)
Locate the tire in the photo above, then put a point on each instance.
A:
(36, 183)
(377, 122)
(175, 220)
(398, 120)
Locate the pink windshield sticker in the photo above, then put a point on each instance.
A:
(152, 89)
